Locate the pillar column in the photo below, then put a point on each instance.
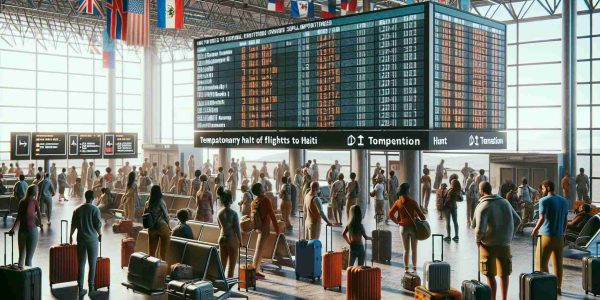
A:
(225, 158)
(360, 166)
(409, 171)
(111, 108)
(569, 87)
(296, 158)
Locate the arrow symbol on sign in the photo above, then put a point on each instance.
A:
(360, 140)
(22, 143)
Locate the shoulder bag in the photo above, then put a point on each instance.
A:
(421, 226)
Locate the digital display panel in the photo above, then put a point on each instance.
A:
(120, 145)
(20, 145)
(49, 145)
(469, 68)
(85, 145)
(391, 69)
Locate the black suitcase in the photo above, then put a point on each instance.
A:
(382, 243)
(591, 273)
(537, 285)
(19, 283)
(475, 289)
(193, 290)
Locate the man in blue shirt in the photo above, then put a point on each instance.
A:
(45, 194)
(20, 187)
(551, 226)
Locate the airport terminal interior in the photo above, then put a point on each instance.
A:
(300, 149)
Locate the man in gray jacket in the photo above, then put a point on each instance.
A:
(86, 220)
(494, 224)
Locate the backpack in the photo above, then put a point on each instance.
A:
(256, 219)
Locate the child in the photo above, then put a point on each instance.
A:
(353, 234)
(77, 191)
(183, 230)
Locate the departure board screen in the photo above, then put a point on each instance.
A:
(469, 70)
(363, 71)
(398, 68)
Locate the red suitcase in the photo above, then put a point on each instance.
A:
(125, 226)
(332, 266)
(102, 278)
(64, 266)
(246, 273)
(127, 248)
(363, 283)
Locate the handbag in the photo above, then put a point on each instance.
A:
(421, 227)
(148, 220)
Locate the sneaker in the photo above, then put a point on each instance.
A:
(447, 239)
(455, 238)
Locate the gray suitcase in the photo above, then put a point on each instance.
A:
(437, 272)
(193, 290)
(591, 273)
(475, 289)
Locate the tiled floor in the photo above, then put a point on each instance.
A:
(283, 285)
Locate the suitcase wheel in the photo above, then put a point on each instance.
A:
(340, 288)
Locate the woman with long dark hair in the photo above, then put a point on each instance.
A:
(130, 197)
(353, 234)
(204, 202)
(160, 231)
(404, 213)
(29, 208)
(230, 238)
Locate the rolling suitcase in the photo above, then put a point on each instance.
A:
(102, 278)
(363, 282)
(147, 272)
(410, 281)
(127, 248)
(332, 265)
(422, 293)
(436, 273)
(475, 289)
(247, 273)
(591, 273)
(135, 230)
(308, 257)
(64, 266)
(125, 226)
(537, 285)
(19, 283)
(193, 290)
(382, 243)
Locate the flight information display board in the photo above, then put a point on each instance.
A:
(85, 145)
(120, 145)
(363, 71)
(469, 70)
(49, 145)
(423, 66)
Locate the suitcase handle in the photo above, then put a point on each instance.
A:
(433, 246)
(331, 231)
(479, 262)
(300, 227)
(12, 248)
(61, 231)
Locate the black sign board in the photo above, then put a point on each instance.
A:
(355, 139)
(49, 145)
(120, 145)
(20, 145)
(85, 145)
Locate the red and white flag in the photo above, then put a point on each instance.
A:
(138, 22)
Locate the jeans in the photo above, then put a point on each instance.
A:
(89, 251)
(27, 243)
(357, 251)
(47, 203)
(451, 212)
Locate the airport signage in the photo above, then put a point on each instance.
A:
(373, 140)
(20, 145)
(49, 145)
(120, 145)
(85, 145)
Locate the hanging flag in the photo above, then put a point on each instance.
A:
(302, 8)
(276, 5)
(91, 7)
(348, 6)
(170, 14)
(138, 22)
(116, 19)
(108, 51)
(328, 9)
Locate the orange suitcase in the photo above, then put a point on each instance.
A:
(246, 273)
(102, 278)
(363, 283)
(64, 266)
(421, 293)
(125, 226)
(332, 265)
(127, 248)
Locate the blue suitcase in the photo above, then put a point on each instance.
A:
(308, 258)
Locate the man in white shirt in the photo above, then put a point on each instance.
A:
(378, 193)
(525, 195)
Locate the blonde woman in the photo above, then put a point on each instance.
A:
(130, 198)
